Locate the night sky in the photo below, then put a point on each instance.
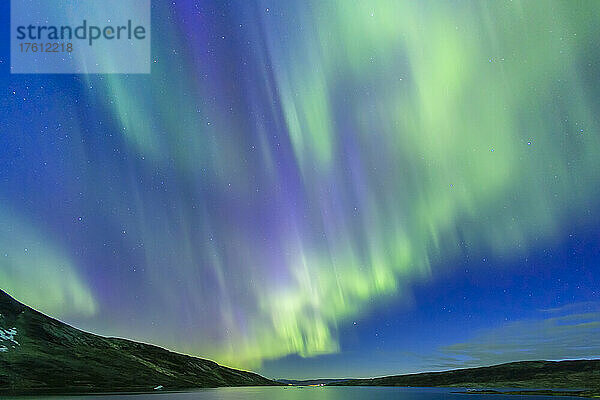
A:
(319, 188)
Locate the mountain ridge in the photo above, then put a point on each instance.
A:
(39, 354)
(567, 374)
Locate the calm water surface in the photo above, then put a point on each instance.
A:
(307, 393)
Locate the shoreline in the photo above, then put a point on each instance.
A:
(583, 393)
(586, 393)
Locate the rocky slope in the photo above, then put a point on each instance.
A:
(39, 354)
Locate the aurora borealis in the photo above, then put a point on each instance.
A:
(319, 188)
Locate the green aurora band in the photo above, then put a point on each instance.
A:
(415, 129)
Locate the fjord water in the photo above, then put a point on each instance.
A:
(306, 393)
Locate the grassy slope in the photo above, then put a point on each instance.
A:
(577, 374)
(54, 357)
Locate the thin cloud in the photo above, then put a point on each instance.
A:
(571, 332)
